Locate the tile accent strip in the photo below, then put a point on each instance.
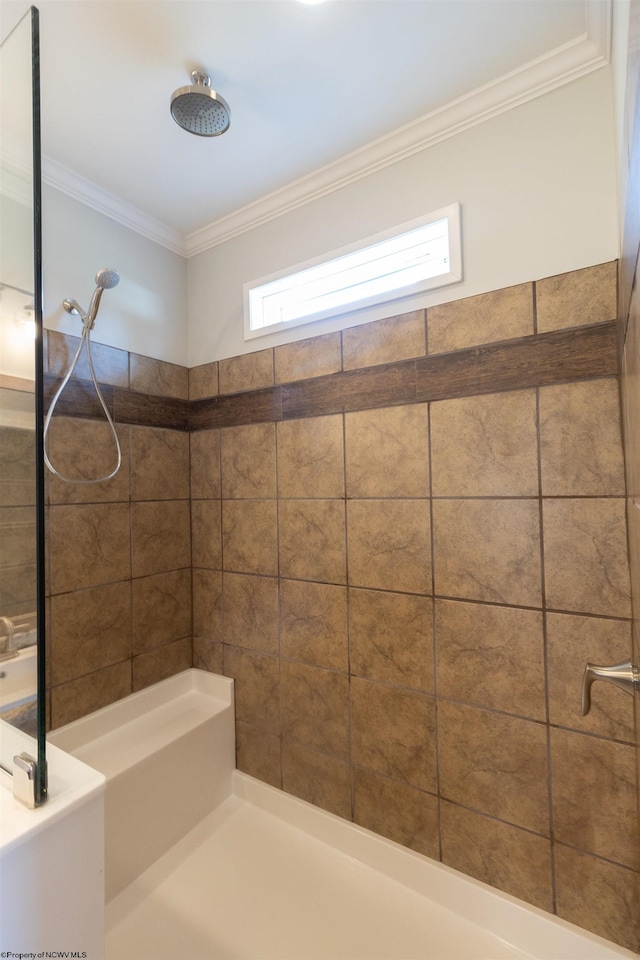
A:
(578, 353)
(125, 406)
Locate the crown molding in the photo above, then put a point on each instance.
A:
(86, 191)
(572, 60)
(566, 63)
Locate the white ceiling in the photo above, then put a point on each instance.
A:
(319, 94)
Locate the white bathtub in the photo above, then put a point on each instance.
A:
(207, 863)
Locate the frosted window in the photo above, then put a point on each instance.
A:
(412, 258)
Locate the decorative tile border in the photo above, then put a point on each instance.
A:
(580, 353)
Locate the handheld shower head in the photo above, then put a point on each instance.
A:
(105, 280)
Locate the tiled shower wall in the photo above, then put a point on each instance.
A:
(407, 539)
(119, 570)
(406, 589)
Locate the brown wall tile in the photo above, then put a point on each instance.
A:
(18, 589)
(387, 452)
(110, 364)
(161, 609)
(18, 536)
(207, 604)
(208, 655)
(533, 361)
(495, 764)
(314, 357)
(397, 811)
(312, 540)
(598, 896)
(485, 318)
(630, 396)
(577, 298)
(258, 754)
(393, 732)
(314, 624)
(315, 708)
(206, 534)
(580, 443)
(311, 457)
(82, 642)
(391, 638)
(205, 464)
(485, 446)
(17, 467)
(508, 858)
(203, 381)
(145, 410)
(491, 656)
(389, 544)
(160, 536)
(488, 550)
(380, 386)
(162, 662)
(251, 612)
(235, 410)
(257, 687)
(77, 698)
(249, 371)
(91, 545)
(159, 464)
(248, 461)
(317, 778)
(86, 450)
(384, 341)
(249, 536)
(585, 555)
(158, 377)
(595, 801)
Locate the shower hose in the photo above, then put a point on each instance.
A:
(85, 338)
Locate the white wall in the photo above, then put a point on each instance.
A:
(621, 96)
(538, 192)
(146, 313)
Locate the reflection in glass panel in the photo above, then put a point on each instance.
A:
(19, 508)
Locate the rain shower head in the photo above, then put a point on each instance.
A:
(199, 109)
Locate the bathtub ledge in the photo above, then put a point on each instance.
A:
(525, 927)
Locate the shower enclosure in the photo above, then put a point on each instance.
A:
(22, 680)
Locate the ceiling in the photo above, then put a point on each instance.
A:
(319, 94)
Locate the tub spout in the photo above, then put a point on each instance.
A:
(624, 675)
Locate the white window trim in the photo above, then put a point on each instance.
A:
(452, 213)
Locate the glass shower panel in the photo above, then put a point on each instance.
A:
(22, 693)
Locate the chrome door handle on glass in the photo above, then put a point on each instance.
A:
(625, 675)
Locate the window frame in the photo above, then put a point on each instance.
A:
(452, 212)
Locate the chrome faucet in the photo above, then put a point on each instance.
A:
(625, 675)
